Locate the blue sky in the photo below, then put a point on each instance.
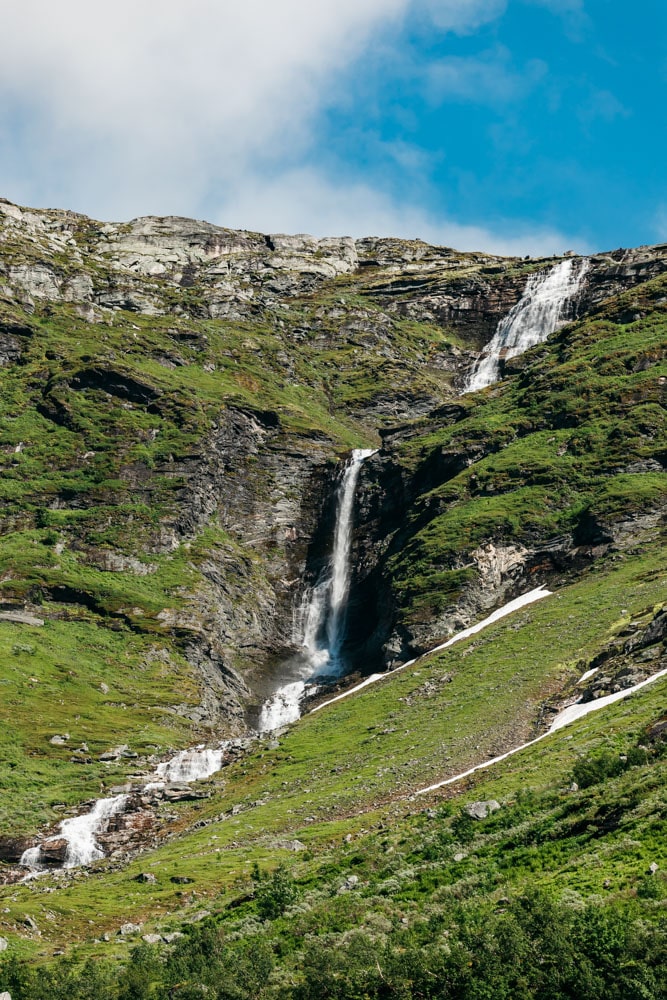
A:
(525, 126)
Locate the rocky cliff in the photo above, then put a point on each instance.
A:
(178, 398)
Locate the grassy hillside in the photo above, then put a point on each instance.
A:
(571, 445)
(166, 469)
(342, 783)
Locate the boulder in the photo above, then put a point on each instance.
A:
(127, 929)
(183, 793)
(151, 938)
(4, 944)
(54, 850)
(291, 845)
(480, 810)
(115, 754)
(5, 996)
(145, 877)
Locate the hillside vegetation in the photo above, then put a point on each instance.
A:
(176, 401)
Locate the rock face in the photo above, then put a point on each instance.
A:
(232, 372)
(134, 266)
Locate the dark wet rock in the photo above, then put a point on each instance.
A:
(11, 848)
(115, 383)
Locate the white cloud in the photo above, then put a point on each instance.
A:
(303, 201)
(207, 108)
(215, 72)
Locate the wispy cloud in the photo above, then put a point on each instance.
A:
(489, 78)
(211, 109)
(660, 223)
(602, 105)
(304, 201)
(463, 16)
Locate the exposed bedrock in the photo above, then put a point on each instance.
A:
(272, 493)
(498, 570)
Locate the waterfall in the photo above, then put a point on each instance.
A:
(80, 833)
(192, 765)
(319, 623)
(542, 309)
(340, 560)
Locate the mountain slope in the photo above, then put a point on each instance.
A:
(177, 401)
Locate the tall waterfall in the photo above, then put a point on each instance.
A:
(319, 624)
(540, 311)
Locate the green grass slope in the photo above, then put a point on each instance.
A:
(315, 867)
(342, 782)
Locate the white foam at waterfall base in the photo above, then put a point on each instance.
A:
(191, 765)
(540, 311)
(282, 708)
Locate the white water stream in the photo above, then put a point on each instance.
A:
(541, 310)
(319, 624)
(192, 765)
(81, 832)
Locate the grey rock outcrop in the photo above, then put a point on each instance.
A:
(480, 810)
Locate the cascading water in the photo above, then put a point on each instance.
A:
(540, 311)
(319, 624)
(192, 765)
(80, 832)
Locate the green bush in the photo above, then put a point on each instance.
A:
(274, 893)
